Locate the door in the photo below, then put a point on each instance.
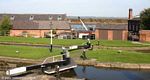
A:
(104, 34)
(117, 35)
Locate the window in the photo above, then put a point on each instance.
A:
(12, 17)
(31, 17)
(50, 17)
(59, 18)
(133, 29)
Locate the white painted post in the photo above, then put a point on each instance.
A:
(51, 31)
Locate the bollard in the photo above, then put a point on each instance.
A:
(51, 48)
(42, 68)
(98, 43)
(57, 73)
(83, 55)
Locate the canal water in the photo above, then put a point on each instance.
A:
(92, 73)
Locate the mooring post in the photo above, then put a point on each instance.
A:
(91, 47)
(83, 55)
(66, 55)
(57, 73)
(98, 42)
(42, 68)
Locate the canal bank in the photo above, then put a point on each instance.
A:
(92, 70)
(120, 65)
(12, 61)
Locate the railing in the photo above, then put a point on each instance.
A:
(53, 59)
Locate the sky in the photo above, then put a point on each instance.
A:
(100, 8)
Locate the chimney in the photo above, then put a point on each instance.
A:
(130, 14)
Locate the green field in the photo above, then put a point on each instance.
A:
(102, 55)
(27, 52)
(107, 55)
(65, 42)
(68, 42)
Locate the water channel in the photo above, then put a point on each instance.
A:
(92, 73)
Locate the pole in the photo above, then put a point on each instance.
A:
(51, 45)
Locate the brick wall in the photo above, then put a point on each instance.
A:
(39, 33)
(111, 35)
(97, 34)
(145, 35)
(125, 35)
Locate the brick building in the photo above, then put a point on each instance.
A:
(111, 31)
(135, 33)
(39, 25)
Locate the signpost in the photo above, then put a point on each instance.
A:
(51, 33)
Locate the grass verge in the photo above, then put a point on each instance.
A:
(68, 42)
(27, 52)
(114, 56)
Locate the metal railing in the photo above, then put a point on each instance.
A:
(53, 59)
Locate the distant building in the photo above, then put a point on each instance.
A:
(39, 25)
(133, 27)
(134, 31)
(111, 31)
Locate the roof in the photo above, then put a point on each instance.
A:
(95, 17)
(136, 18)
(25, 25)
(54, 25)
(86, 23)
(26, 17)
(40, 25)
(112, 26)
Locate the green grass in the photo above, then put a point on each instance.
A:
(64, 42)
(27, 52)
(113, 56)
(68, 42)
(117, 43)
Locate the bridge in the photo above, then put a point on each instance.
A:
(49, 66)
(52, 64)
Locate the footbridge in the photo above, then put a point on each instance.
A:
(50, 65)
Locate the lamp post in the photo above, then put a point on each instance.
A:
(51, 34)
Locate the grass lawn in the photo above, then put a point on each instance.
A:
(117, 43)
(68, 42)
(64, 42)
(27, 52)
(113, 56)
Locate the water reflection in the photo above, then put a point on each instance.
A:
(92, 73)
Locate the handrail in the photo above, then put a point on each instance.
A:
(53, 58)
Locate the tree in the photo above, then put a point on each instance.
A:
(145, 19)
(5, 26)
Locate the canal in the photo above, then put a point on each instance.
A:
(92, 73)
